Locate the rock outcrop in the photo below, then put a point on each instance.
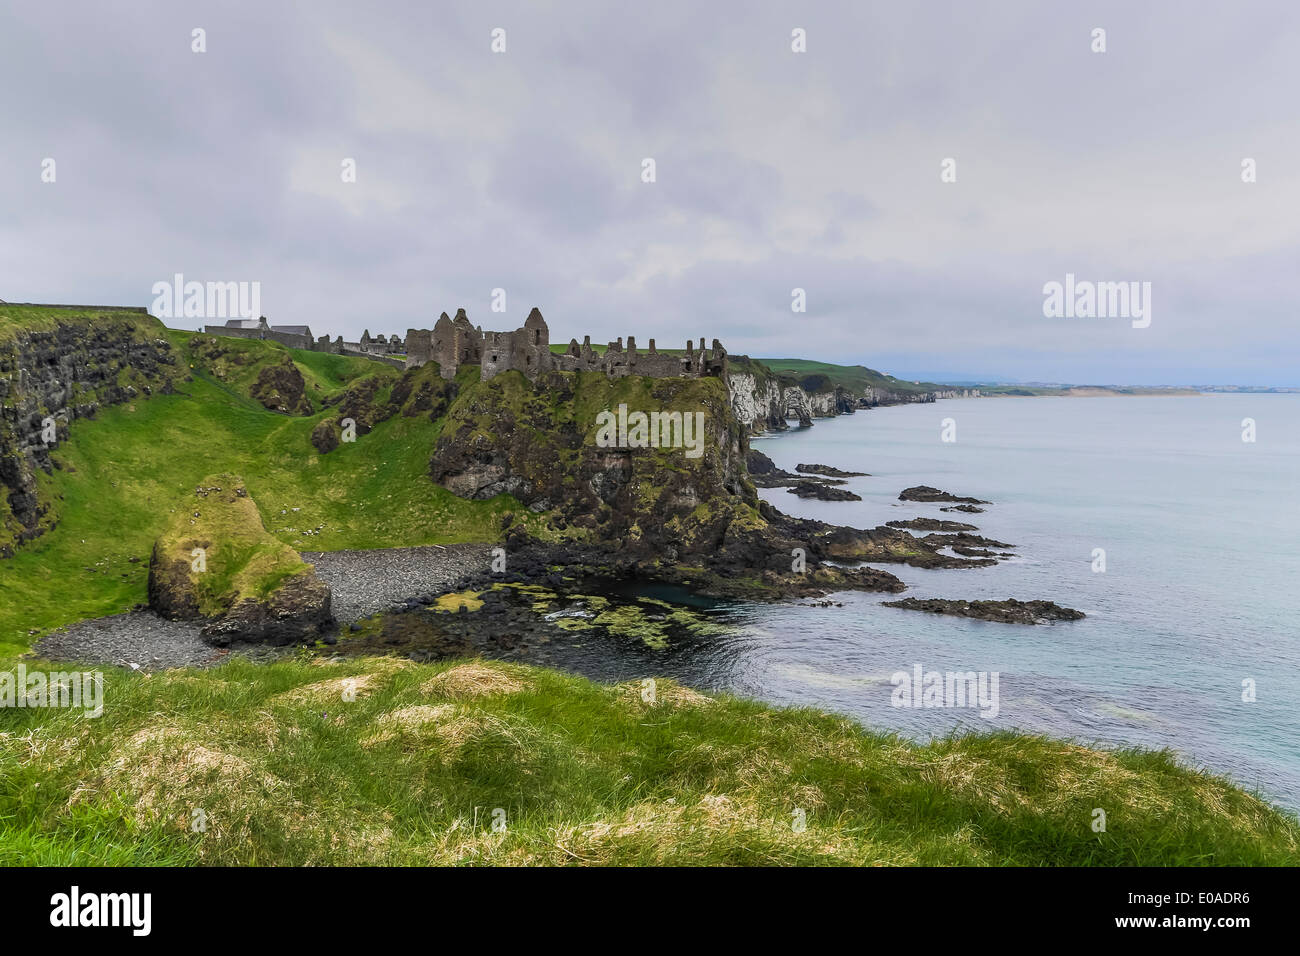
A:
(55, 367)
(764, 400)
(217, 563)
(280, 388)
(541, 443)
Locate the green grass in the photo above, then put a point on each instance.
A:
(856, 378)
(127, 469)
(286, 771)
(16, 318)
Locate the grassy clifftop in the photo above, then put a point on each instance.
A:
(856, 378)
(41, 318)
(381, 761)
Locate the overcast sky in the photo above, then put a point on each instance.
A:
(775, 170)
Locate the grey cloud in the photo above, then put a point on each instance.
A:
(776, 170)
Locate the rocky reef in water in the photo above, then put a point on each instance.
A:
(1009, 611)
(925, 493)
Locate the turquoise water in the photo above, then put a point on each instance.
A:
(1200, 593)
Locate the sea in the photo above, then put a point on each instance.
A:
(1178, 538)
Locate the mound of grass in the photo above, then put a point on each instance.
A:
(214, 555)
(381, 761)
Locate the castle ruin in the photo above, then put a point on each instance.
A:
(453, 343)
(382, 349)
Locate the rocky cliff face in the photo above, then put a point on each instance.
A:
(55, 370)
(764, 401)
(541, 443)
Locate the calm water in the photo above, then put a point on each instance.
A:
(1202, 539)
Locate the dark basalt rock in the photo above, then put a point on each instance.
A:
(764, 474)
(931, 524)
(926, 493)
(963, 539)
(299, 610)
(967, 509)
(422, 391)
(759, 464)
(510, 435)
(280, 388)
(325, 437)
(979, 552)
(358, 403)
(67, 372)
(822, 492)
(829, 471)
(1009, 611)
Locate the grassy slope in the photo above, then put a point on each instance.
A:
(289, 772)
(128, 468)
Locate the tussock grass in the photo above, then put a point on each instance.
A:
(411, 767)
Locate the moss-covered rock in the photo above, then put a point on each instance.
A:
(58, 365)
(280, 388)
(325, 437)
(539, 443)
(365, 401)
(217, 563)
(423, 392)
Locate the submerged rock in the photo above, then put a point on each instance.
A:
(963, 539)
(829, 471)
(926, 493)
(931, 524)
(822, 492)
(1009, 611)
